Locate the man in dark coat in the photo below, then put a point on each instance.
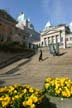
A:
(40, 57)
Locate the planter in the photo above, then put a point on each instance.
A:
(61, 102)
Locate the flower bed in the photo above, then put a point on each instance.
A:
(20, 96)
(24, 96)
(60, 87)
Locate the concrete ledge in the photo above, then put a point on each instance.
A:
(14, 59)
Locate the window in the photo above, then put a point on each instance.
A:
(48, 39)
(54, 39)
(56, 35)
(45, 41)
(70, 38)
(61, 39)
(66, 39)
(42, 42)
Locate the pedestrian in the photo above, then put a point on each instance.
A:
(40, 56)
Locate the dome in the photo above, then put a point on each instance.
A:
(21, 17)
(70, 26)
(48, 24)
(28, 20)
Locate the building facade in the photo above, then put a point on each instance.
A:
(58, 34)
(21, 31)
(8, 29)
(69, 40)
(25, 24)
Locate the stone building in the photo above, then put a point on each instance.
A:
(58, 34)
(69, 40)
(21, 31)
(25, 24)
(8, 29)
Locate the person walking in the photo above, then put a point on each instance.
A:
(40, 56)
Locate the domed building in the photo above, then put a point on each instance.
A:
(60, 34)
(25, 24)
(8, 29)
(18, 30)
(48, 25)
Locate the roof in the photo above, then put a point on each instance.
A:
(4, 14)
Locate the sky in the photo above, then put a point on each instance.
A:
(40, 11)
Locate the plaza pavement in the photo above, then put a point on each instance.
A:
(31, 71)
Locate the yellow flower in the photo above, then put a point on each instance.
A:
(6, 101)
(52, 83)
(47, 85)
(31, 90)
(48, 79)
(58, 92)
(10, 88)
(26, 86)
(1, 98)
(33, 106)
(64, 93)
(2, 90)
(24, 103)
(34, 98)
(36, 92)
(29, 102)
(15, 91)
(16, 85)
(57, 86)
(24, 91)
(16, 96)
(71, 90)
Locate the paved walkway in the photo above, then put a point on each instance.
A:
(31, 71)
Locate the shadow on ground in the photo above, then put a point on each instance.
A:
(15, 59)
(14, 70)
(61, 54)
(45, 59)
(46, 104)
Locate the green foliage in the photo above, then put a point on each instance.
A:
(17, 103)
